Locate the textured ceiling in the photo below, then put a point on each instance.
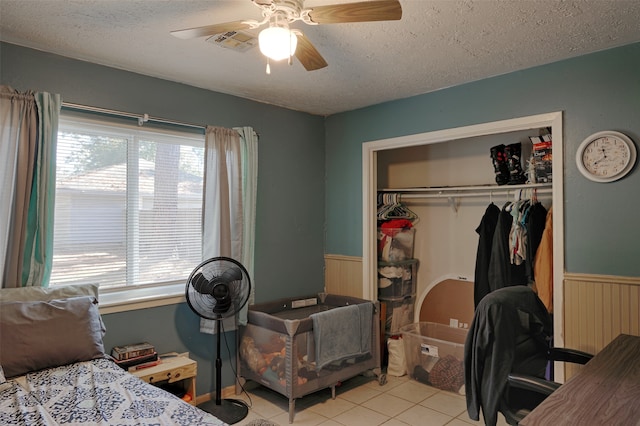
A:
(437, 44)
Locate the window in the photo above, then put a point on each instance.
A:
(128, 207)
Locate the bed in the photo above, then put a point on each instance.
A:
(282, 346)
(53, 369)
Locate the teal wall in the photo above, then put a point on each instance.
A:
(290, 206)
(596, 92)
(310, 168)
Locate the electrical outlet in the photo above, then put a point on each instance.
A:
(453, 322)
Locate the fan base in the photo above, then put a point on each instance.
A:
(230, 411)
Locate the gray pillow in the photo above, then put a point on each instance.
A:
(4, 385)
(40, 334)
(22, 294)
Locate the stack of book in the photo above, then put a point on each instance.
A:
(139, 355)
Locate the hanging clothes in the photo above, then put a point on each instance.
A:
(535, 223)
(543, 265)
(518, 232)
(502, 273)
(485, 231)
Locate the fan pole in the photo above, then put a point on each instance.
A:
(218, 365)
(228, 410)
(216, 291)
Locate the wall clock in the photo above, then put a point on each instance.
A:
(606, 156)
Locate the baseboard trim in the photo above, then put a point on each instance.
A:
(228, 392)
(343, 257)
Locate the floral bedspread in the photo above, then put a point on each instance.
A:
(96, 392)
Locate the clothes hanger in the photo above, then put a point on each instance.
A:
(387, 206)
(383, 206)
(392, 208)
(508, 203)
(399, 210)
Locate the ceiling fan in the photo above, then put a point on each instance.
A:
(278, 42)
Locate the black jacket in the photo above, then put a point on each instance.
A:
(510, 332)
(485, 241)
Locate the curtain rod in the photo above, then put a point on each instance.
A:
(142, 118)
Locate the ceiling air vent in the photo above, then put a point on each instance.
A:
(239, 41)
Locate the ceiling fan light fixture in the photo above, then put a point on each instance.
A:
(277, 43)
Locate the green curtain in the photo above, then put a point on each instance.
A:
(38, 249)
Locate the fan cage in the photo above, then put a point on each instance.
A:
(215, 283)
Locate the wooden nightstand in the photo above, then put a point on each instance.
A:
(177, 370)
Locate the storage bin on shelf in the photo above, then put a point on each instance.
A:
(399, 312)
(397, 279)
(542, 158)
(395, 244)
(435, 354)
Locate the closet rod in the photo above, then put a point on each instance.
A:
(142, 118)
(466, 191)
(443, 194)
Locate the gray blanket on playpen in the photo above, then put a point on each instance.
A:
(342, 333)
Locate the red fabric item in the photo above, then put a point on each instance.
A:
(392, 227)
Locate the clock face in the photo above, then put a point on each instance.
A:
(606, 156)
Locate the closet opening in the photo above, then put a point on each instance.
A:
(448, 174)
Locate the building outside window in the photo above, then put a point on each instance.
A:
(128, 206)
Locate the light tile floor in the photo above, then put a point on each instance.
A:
(363, 401)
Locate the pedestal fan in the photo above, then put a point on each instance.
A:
(217, 289)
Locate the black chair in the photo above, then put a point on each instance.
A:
(508, 356)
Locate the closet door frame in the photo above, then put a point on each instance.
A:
(370, 186)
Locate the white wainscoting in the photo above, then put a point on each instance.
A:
(343, 275)
(597, 309)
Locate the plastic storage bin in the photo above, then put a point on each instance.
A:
(397, 279)
(435, 354)
(395, 244)
(399, 313)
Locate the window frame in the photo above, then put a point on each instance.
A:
(133, 297)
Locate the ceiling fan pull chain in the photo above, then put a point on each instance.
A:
(268, 67)
(292, 48)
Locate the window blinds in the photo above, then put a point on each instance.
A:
(128, 208)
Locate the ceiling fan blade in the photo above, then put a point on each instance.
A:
(308, 55)
(379, 10)
(209, 30)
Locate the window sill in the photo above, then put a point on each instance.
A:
(140, 298)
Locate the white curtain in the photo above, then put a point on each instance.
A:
(230, 202)
(249, 140)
